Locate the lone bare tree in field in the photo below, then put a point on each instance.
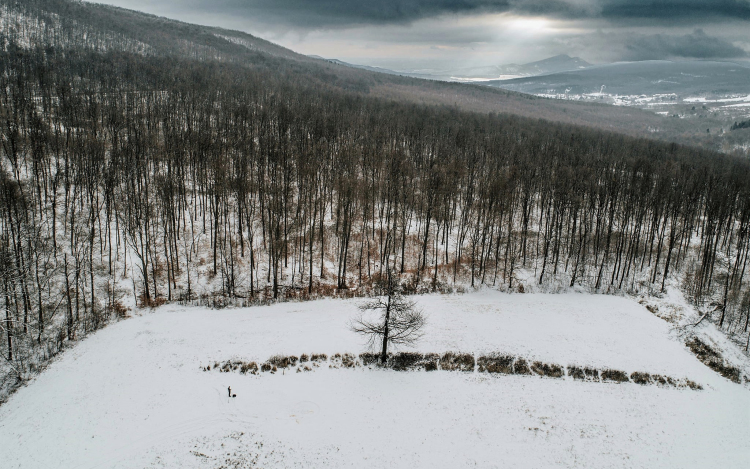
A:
(400, 321)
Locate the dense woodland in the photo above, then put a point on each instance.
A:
(128, 177)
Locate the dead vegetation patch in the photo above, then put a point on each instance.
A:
(713, 359)
(495, 364)
(405, 361)
(250, 367)
(412, 361)
(576, 373)
(318, 357)
(592, 374)
(583, 373)
(660, 380)
(640, 378)
(521, 367)
(368, 358)
(614, 376)
(450, 361)
(282, 361)
(267, 367)
(456, 361)
(346, 360)
(548, 369)
(431, 361)
(693, 385)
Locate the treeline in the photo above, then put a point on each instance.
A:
(32, 24)
(204, 180)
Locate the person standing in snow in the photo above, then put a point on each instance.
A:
(229, 389)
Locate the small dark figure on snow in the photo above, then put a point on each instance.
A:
(230, 391)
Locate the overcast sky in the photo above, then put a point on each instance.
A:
(449, 34)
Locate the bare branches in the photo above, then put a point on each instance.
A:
(400, 321)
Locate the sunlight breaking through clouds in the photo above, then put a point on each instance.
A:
(443, 33)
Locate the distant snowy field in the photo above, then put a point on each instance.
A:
(134, 395)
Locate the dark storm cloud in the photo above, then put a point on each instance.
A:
(624, 10)
(332, 13)
(671, 10)
(427, 30)
(697, 45)
(342, 13)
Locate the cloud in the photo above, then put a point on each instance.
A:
(622, 45)
(476, 32)
(346, 13)
(697, 45)
(671, 10)
(314, 14)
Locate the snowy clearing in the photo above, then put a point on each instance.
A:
(134, 395)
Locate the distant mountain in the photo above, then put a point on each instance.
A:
(683, 78)
(72, 24)
(558, 63)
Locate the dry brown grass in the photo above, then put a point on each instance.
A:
(431, 361)
(576, 372)
(693, 385)
(614, 376)
(592, 374)
(713, 359)
(641, 378)
(368, 358)
(521, 367)
(495, 364)
(405, 361)
(282, 361)
(456, 361)
(318, 357)
(548, 369)
(118, 309)
(451, 361)
(144, 302)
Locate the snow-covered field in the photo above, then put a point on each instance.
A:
(134, 395)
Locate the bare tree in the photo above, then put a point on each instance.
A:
(400, 321)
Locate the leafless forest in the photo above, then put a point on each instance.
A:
(157, 177)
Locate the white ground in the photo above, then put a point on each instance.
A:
(133, 395)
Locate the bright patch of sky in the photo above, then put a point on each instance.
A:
(445, 34)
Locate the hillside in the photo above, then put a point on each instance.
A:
(136, 394)
(707, 94)
(558, 63)
(67, 22)
(654, 77)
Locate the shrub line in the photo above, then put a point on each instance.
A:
(502, 364)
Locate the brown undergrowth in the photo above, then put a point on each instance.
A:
(713, 359)
(497, 364)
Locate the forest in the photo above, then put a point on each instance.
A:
(163, 178)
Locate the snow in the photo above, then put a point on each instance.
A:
(718, 100)
(134, 395)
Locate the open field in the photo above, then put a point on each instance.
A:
(135, 394)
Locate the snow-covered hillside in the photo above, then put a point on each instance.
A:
(135, 395)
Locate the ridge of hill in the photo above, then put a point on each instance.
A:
(158, 35)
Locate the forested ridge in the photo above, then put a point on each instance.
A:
(76, 24)
(174, 179)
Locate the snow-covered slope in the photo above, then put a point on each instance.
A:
(134, 395)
